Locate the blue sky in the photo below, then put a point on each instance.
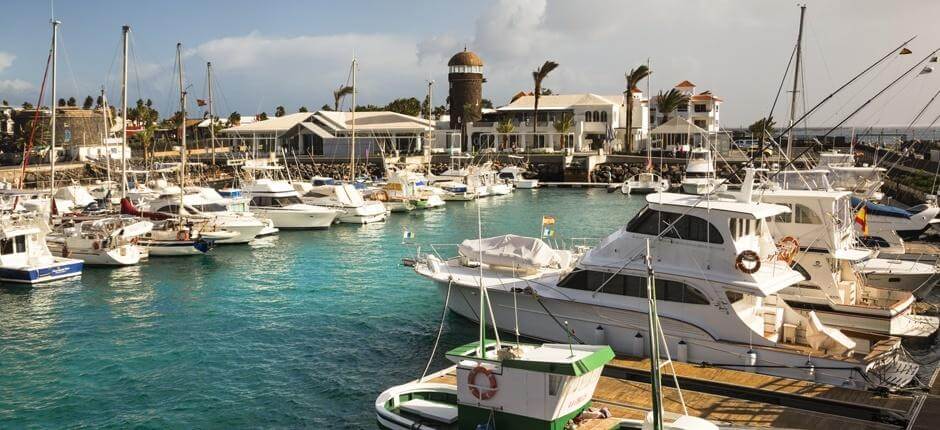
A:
(295, 52)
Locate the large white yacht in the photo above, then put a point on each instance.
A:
(718, 279)
(346, 198)
(279, 202)
(821, 244)
(24, 256)
(700, 173)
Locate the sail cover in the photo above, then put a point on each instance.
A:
(524, 253)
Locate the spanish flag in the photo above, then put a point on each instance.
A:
(861, 218)
(548, 226)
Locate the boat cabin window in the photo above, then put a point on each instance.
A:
(734, 296)
(13, 245)
(687, 227)
(805, 215)
(632, 286)
(874, 242)
(170, 209)
(276, 201)
(211, 207)
(741, 227)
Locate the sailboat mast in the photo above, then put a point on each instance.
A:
(126, 29)
(430, 127)
(105, 133)
(352, 140)
(211, 118)
(179, 59)
(52, 156)
(796, 80)
(656, 378)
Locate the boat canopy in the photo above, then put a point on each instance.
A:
(520, 252)
(881, 210)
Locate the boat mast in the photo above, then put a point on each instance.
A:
(106, 132)
(796, 81)
(352, 140)
(211, 118)
(430, 127)
(656, 378)
(52, 157)
(126, 29)
(182, 173)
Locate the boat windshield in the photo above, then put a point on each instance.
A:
(211, 207)
(276, 201)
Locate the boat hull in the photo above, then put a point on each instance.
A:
(177, 248)
(60, 268)
(284, 219)
(899, 275)
(124, 255)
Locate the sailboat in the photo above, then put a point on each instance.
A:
(646, 182)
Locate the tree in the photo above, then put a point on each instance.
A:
(546, 92)
(279, 111)
(89, 102)
(486, 104)
(504, 127)
(761, 128)
(6, 103)
(410, 106)
(326, 107)
(99, 102)
(234, 119)
(27, 105)
(563, 126)
(667, 103)
(538, 76)
(145, 137)
(339, 94)
(61, 103)
(263, 116)
(302, 109)
(633, 80)
(72, 102)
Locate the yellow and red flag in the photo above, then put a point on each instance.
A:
(548, 226)
(861, 218)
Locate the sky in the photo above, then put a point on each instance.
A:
(295, 53)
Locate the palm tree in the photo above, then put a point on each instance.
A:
(633, 80)
(339, 94)
(563, 126)
(303, 109)
(88, 103)
(761, 128)
(504, 127)
(145, 136)
(279, 111)
(234, 119)
(667, 103)
(538, 76)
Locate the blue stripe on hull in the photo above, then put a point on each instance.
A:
(59, 270)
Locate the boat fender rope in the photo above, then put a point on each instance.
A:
(747, 261)
(440, 329)
(787, 249)
(484, 394)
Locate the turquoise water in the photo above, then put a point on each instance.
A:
(300, 330)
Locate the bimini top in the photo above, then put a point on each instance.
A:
(881, 210)
(555, 358)
(753, 210)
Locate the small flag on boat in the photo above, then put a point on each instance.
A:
(861, 218)
(201, 102)
(926, 70)
(406, 233)
(548, 226)
(906, 51)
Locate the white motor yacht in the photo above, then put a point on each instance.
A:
(717, 287)
(700, 173)
(513, 175)
(645, 183)
(277, 201)
(109, 241)
(24, 256)
(235, 202)
(456, 191)
(216, 215)
(342, 197)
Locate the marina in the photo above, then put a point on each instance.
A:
(582, 253)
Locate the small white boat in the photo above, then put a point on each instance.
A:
(900, 275)
(456, 192)
(700, 173)
(645, 183)
(513, 175)
(277, 201)
(24, 256)
(173, 238)
(354, 209)
(110, 241)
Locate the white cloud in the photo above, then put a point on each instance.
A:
(6, 59)
(15, 86)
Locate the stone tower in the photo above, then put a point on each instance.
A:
(465, 76)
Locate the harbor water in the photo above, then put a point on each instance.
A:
(299, 330)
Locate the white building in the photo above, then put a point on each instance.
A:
(566, 122)
(703, 109)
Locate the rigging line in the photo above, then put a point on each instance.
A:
(917, 117)
(881, 71)
(875, 117)
(851, 115)
(68, 65)
(849, 82)
(782, 81)
(35, 125)
(440, 329)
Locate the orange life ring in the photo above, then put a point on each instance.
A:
(787, 249)
(182, 235)
(745, 257)
(485, 394)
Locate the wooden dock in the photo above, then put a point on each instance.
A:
(743, 399)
